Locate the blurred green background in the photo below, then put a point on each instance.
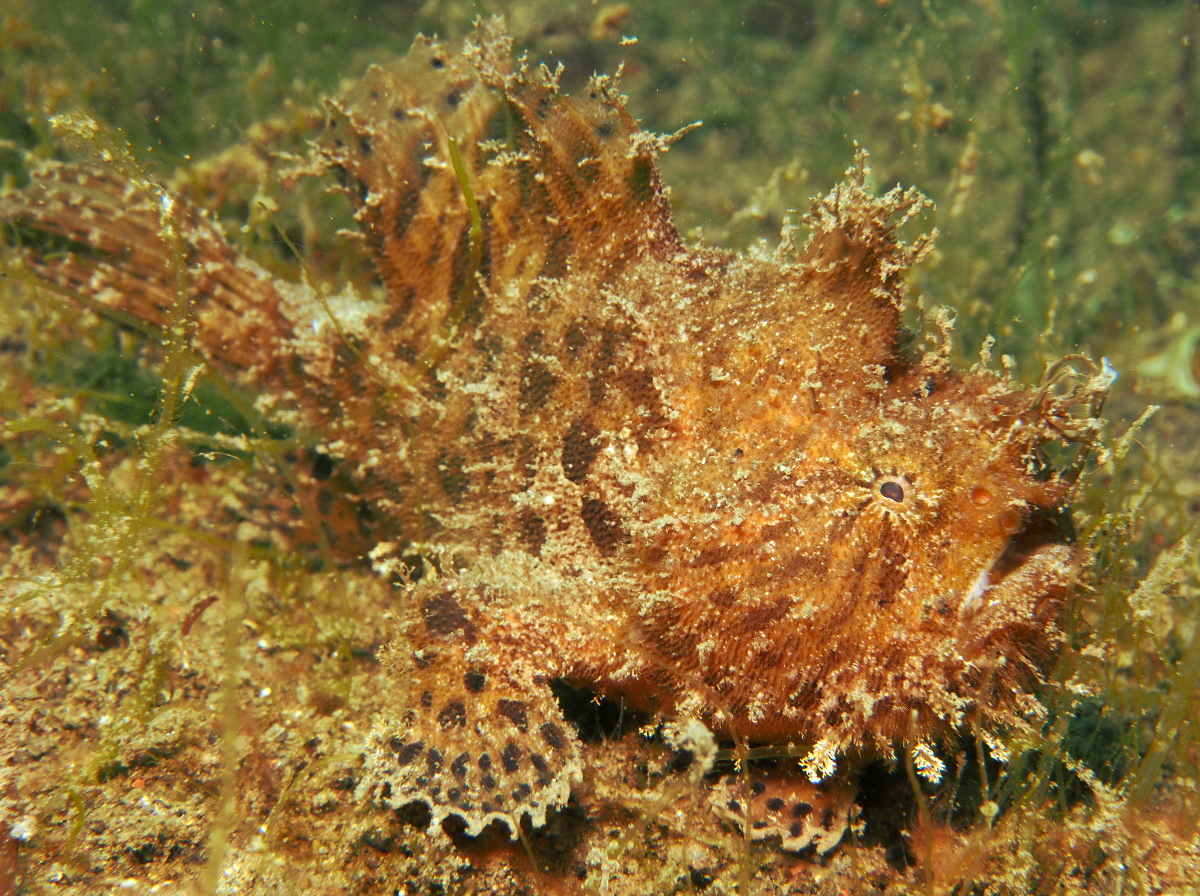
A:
(1059, 139)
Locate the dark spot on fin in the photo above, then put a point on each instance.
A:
(537, 383)
(444, 615)
(474, 681)
(581, 444)
(453, 713)
(553, 735)
(510, 757)
(603, 525)
(516, 712)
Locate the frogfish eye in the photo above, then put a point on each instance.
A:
(892, 490)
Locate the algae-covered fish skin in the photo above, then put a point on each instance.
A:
(721, 487)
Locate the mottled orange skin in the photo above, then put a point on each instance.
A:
(715, 485)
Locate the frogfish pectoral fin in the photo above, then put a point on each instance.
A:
(477, 735)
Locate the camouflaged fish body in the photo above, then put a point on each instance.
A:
(712, 485)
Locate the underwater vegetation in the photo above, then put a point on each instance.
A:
(353, 459)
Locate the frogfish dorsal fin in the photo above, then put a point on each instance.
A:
(563, 184)
(856, 260)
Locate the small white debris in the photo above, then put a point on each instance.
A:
(821, 761)
(998, 750)
(927, 764)
(693, 735)
(1108, 373)
(975, 596)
